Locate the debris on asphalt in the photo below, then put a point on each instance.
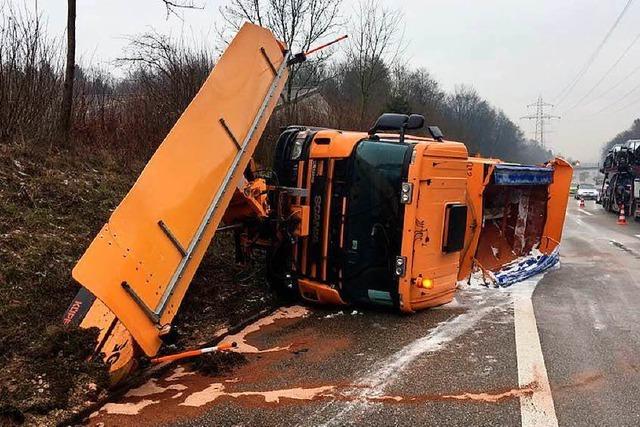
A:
(516, 271)
(194, 353)
(525, 267)
(332, 315)
(213, 364)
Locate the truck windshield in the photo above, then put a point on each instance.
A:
(373, 231)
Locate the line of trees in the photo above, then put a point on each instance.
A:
(632, 133)
(345, 87)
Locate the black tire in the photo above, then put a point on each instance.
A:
(278, 259)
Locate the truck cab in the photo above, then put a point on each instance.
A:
(386, 216)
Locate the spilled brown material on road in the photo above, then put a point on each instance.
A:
(185, 394)
(218, 390)
(240, 338)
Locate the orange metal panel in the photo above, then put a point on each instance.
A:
(325, 218)
(340, 144)
(439, 177)
(115, 343)
(303, 212)
(557, 205)
(187, 185)
(318, 292)
(475, 190)
(482, 240)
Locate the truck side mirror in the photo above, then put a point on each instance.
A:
(416, 121)
(436, 133)
(390, 121)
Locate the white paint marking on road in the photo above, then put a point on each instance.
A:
(637, 235)
(598, 324)
(537, 409)
(585, 212)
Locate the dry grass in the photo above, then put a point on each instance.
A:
(51, 205)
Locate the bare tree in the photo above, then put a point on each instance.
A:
(67, 93)
(375, 42)
(168, 70)
(30, 71)
(299, 24)
(172, 6)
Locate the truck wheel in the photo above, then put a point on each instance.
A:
(280, 278)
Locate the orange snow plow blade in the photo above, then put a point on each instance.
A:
(513, 210)
(142, 261)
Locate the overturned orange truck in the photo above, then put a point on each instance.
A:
(377, 217)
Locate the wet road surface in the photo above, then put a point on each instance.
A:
(558, 349)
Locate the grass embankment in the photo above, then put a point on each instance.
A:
(51, 206)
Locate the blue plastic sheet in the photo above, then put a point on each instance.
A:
(523, 269)
(522, 175)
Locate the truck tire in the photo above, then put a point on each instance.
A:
(282, 281)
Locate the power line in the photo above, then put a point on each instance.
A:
(541, 118)
(567, 90)
(625, 96)
(615, 86)
(615, 64)
(628, 105)
(631, 104)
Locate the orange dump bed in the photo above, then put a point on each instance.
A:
(507, 221)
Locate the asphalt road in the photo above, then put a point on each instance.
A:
(559, 349)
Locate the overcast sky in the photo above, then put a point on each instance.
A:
(511, 51)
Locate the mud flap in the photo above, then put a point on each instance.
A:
(142, 261)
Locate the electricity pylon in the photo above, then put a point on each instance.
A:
(541, 118)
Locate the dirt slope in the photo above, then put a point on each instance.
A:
(51, 206)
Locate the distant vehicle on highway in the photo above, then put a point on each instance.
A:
(587, 192)
(573, 188)
(621, 186)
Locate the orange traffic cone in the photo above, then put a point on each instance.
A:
(622, 219)
(581, 202)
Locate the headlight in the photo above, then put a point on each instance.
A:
(406, 193)
(296, 150)
(401, 266)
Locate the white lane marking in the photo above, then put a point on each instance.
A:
(536, 409)
(585, 212)
(598, 324)
(374, 382)
(637, 235)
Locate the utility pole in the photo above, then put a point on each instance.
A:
(69, 74)
(541, 118)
